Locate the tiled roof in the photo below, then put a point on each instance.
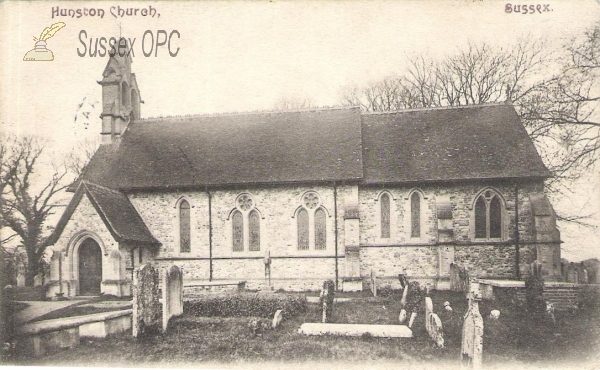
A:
(336, 144)
(116, 211)
(445, 144)
(274, 147)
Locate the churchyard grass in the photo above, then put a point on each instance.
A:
(513, 339)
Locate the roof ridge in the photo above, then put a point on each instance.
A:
(253, 112)
(447, 107)
(86, 183)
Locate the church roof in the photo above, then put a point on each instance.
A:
(446, 144)
(115, 210)
(271, 147)
(334, 144)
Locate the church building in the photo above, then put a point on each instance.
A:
(288, 199)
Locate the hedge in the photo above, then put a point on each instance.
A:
(246, 305)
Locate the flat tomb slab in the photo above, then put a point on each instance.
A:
(356, 330)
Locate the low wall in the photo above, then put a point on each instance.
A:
(562, 295)
(43, 337)
(194, 288)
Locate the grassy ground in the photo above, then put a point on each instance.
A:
(513, 339)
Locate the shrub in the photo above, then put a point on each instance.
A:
(589, 297)
(534, 290)
(246, 305)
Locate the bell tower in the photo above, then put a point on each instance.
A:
(120, 94)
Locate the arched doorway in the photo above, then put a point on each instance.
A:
(90, 267)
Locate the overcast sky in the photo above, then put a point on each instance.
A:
(246, 56)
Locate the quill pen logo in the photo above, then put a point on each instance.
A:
(40, 53)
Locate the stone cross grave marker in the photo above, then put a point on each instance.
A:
(146, 306)
(326, 300)
(433, 324)
(172, 294)
(374, 283)
(472, 331)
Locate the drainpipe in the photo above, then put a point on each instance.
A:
(132, 252)
(335, 212)
(210, 262)
(517, 246)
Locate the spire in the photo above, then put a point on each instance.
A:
(120, 94)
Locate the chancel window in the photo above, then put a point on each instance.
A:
(184, 227)
(385, 215)
(488, 216)
(415, 215)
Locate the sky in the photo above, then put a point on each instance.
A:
(236, 56)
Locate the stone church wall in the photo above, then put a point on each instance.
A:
(290, 268)
(419, 258)
(294, 269)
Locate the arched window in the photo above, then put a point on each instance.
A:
(237, 222)
(495, 218)
(385, 215)
(303, 238)
(254, 230)
(320, 230)
(184, 227)
(415, 215)
(488, 216)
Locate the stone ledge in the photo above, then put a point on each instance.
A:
(69, 322)
(192, 283)
(356, 330)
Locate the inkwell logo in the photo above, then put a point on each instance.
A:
(40, 53)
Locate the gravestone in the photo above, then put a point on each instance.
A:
(172, 294)
(582, 274)
(374, 283)
(412, 296)
(472, 331)
(277, 319)
(459, 278)
(326, 300)
(433, 324)
(572, 274)
(146, 306)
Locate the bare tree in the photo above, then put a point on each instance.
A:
(80, 155)
(24, 209)
(479, 74)
(293, 103)
(556, 95)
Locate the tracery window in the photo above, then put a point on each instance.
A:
(245, 224)
(311, 219)
(488, 216)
